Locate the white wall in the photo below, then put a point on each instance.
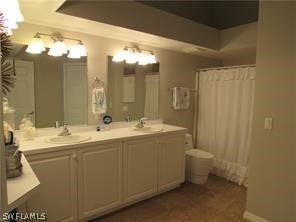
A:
(238, 45)
(175, 68)
(272, 164)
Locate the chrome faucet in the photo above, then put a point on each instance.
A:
(128, 118)
(141, 122)
(56, 124)
(65, 131)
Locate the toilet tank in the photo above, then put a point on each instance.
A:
(188, 142)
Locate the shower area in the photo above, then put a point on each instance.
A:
(223, 118)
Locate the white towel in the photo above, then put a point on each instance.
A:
(99, 101)
(151, 96)
(128, 89)
(181, 98)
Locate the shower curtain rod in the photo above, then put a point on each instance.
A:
(226, 67)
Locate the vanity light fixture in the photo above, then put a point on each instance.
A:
(58, 48)
(12, 15)
(36, 45)
(77, 51)
(133, 55)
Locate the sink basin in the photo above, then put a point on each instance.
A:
(148, 129)
(67, 139)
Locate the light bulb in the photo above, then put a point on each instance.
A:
(122, 55)
(36, 46)
(151, 59)
(131, 57)
(142, 59)
(77, 51)
(58, 49)
(12, 14)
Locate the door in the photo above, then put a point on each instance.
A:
(140, 169)
(99, 179)
(75, 93)
(171, 161)
(57, 193)
(22, 97)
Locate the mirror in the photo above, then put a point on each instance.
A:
(133, 91)
(48, 88)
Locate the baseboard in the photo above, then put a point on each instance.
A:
(254, 218)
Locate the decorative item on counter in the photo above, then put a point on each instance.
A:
(13, 156)
(27, 128)
(7, 70)
(6, 129)
(107, 119)
(8, 113)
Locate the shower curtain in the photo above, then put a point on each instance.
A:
(151, 96)
(225, 112)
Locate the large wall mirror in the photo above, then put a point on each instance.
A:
(133, 91)
(48, 88)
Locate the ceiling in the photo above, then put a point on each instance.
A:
(216, 14)
(43, 15)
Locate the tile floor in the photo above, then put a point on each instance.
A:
(217, 201)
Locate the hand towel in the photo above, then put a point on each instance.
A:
(99, 101)
(128, 89)
(181, 98)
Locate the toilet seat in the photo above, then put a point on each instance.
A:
(198, 153)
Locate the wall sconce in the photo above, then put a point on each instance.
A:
(58, 48)
(133, 55)
(12, 15)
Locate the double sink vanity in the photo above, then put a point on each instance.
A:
(89, 173)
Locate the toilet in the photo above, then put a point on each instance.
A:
(198, 163)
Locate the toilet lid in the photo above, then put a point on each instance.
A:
(199, 154)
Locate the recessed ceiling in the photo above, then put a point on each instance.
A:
(216, 14)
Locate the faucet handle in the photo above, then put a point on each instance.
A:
(142, 120)
(56, 124)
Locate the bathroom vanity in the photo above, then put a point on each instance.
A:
(115, 168)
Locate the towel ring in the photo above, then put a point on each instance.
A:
(97, 83)
(171, 88)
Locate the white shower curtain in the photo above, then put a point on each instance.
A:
(151, 96)
(226, 100)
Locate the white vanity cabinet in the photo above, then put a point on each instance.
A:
(171, 161)
(99, 178)
(140, 168)
(57, 194)
(83, 181)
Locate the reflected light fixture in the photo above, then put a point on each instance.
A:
(133, 55)
(12, 15)
(58, 48)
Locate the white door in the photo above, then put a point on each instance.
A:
(22, 97)
(99, 179)
(171, 165)
(57, 193)
(75, 93)
(140, 169)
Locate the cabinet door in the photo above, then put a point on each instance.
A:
(171, 165)
(140, 168)
(99, 178)
(57, 193)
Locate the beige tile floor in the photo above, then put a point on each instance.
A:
(217, 201)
